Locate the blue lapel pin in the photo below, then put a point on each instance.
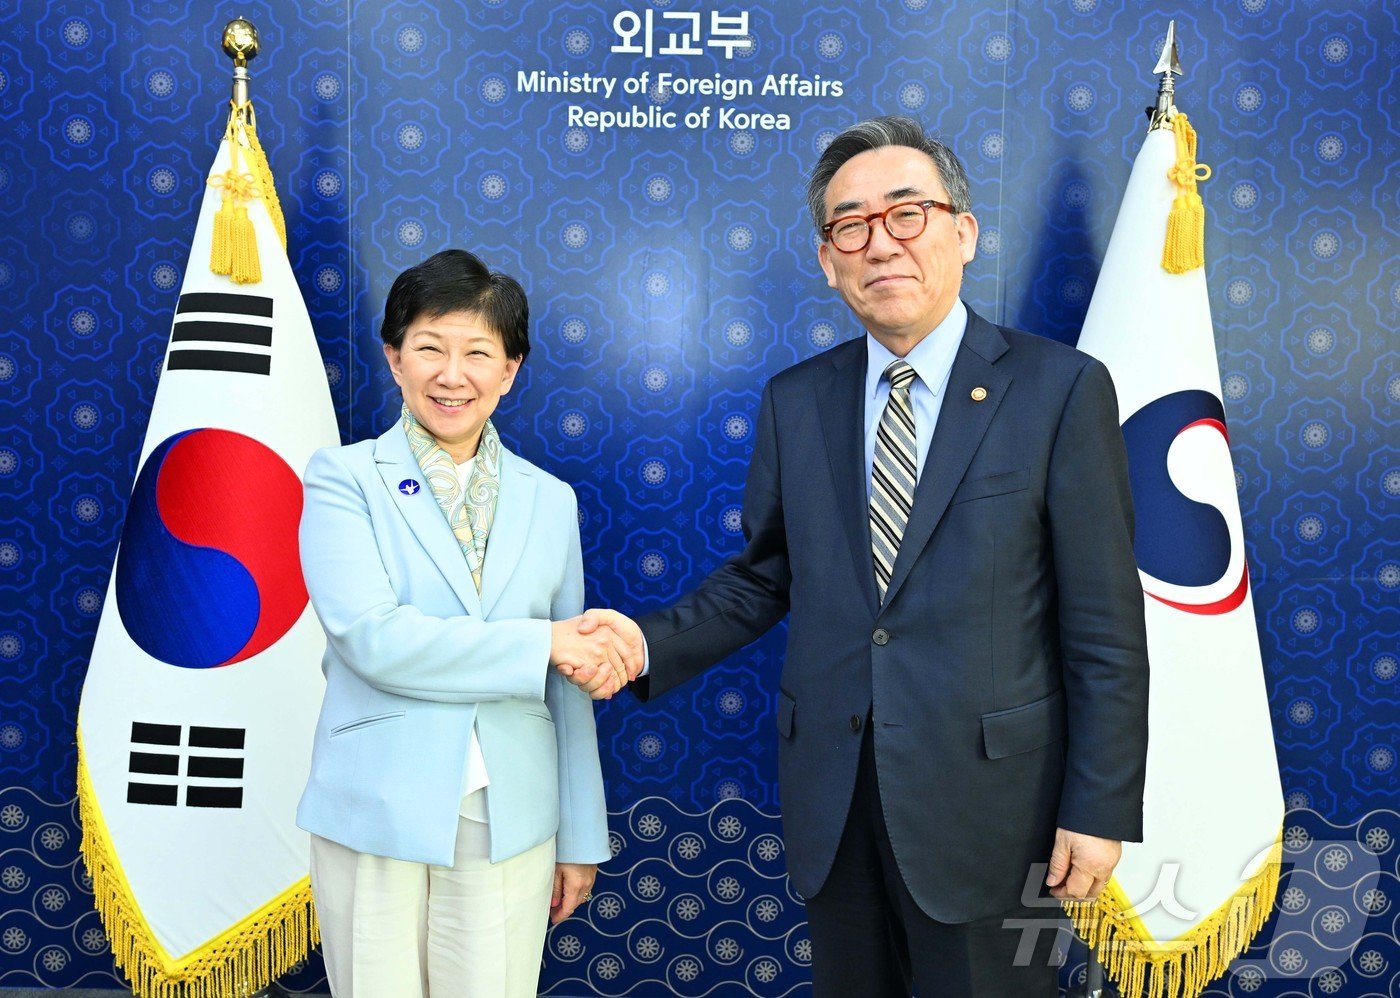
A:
(409, 487)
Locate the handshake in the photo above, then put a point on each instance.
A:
(600, 651)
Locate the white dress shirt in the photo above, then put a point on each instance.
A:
(932, 360)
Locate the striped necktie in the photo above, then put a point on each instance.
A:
(892, 474)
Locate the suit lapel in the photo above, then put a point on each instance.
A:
(515, 510)
(421, 514)
(841, 406)
(962, 422)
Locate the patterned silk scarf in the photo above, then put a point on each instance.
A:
(468, 515)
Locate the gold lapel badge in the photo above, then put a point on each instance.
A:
(979, 393)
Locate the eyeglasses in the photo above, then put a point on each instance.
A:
(903, 221)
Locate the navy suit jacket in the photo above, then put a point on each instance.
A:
(1006, 671)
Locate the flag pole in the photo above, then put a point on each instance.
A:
(240, 43)
(1159, 116)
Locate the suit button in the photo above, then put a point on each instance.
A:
(855, 722)
(881, 636)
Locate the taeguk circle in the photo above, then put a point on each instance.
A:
(200, 582)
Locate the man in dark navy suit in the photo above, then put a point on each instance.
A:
(942, 509)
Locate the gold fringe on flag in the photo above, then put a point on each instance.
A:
(234, 248)
(1185, 966)
(245, 959)
(1185, 248)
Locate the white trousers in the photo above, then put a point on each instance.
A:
(393, 929)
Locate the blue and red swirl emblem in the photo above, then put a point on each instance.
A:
(209, 572)
(1183, 545)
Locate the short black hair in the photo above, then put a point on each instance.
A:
(877, 133)
(457, 281)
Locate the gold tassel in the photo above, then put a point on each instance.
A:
(221, 247)
(233, 250)
(247, 269)
(1185, 248)
(249, 956)
(1185, 966)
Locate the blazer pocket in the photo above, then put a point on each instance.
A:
(1021, 729)
(992, 485)
(787, 707)
(365, 722)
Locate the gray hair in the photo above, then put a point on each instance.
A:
(877, 133)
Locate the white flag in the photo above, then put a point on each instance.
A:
(194, 732)
(1187, 900)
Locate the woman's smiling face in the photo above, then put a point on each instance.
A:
(452, 370)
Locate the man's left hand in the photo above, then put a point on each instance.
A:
(1080, 865)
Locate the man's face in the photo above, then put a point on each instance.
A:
(899, 290)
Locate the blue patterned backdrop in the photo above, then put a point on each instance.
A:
(671, 271)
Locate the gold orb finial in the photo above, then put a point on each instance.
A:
(240, 41)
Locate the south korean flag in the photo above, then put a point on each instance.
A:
(200, 701)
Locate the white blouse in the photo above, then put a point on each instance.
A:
(475, 778)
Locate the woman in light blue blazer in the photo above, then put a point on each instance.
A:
(455, 800)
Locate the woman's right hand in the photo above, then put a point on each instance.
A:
(592, 662)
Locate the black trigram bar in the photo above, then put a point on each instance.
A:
(206, 301)
(227, 738)
(217, 331)
(155, 763)
(152, 793)
(200, 767)
(155, 734)
(213, 797)
(209, 767)
(219, 360)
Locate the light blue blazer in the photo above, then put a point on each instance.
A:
(414, 657)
